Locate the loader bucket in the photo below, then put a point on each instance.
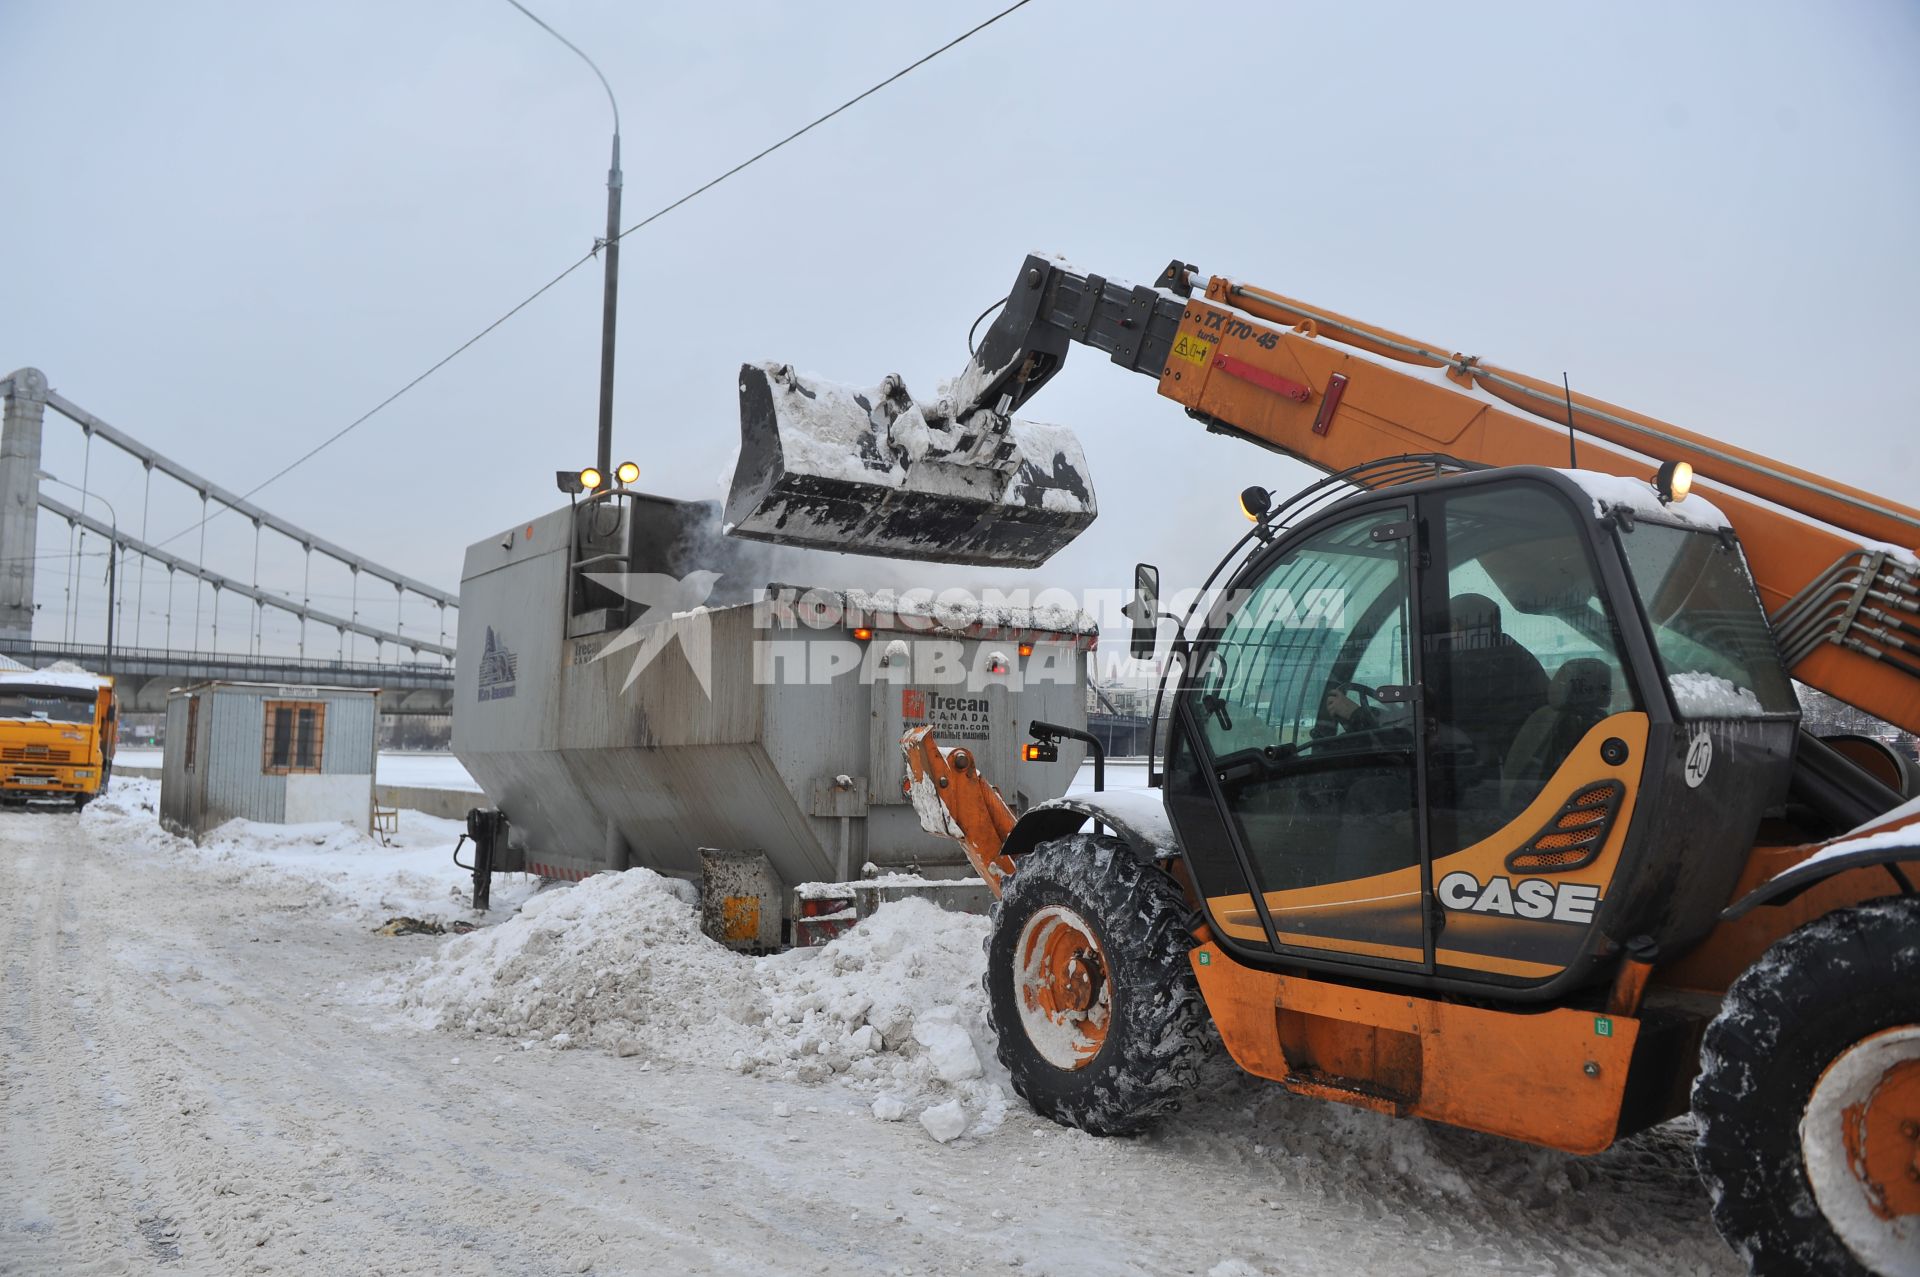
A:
(872, 471)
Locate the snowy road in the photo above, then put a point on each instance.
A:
(196, 1080)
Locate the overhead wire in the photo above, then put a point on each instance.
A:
(816, 123)
(702, 189)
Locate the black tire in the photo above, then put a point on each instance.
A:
(1157, 1034)
(1816, 993)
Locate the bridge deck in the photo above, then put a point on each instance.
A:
(145, 675)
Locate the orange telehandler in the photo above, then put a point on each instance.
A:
(1484, 795)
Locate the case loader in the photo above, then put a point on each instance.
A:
(1484, 795)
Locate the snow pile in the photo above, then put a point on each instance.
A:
(619, 963)
(1701, 695)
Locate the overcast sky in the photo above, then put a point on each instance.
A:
(231, 228)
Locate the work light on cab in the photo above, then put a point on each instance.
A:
(591, 479)
(1673, 481)
(627, 472)
(1254, 502)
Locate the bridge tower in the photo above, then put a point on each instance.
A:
(24, 395)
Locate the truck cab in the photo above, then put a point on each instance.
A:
(57, 731)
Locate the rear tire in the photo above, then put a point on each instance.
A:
(1117, 931)
(1786, 1030)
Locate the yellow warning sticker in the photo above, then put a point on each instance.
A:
(1190, 348)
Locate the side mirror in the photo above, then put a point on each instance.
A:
(1144, 611)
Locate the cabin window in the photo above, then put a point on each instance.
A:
(294, 737)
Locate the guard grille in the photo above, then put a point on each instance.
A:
(1574, 837)
(35, 754)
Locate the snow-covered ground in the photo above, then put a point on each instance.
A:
(214, 1064)
(396, 767)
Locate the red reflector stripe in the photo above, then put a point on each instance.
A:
(1262, 378)
(1336, 386)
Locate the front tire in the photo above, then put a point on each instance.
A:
(1808, 1098)
(1099, 1018)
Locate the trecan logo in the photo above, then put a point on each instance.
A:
(1529, 898)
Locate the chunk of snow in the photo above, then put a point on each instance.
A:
(880, 436)
(924, 792)
(948, 1046)
(945, 1122)
(889, 1108)
(1701, 695)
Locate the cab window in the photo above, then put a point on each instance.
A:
(1300, 701)
(1522, 656)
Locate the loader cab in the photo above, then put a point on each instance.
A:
(1442, 732)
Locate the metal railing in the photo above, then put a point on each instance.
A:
(93, 655)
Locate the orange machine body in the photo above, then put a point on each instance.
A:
(1333, 409)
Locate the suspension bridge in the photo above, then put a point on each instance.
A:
(413, 670)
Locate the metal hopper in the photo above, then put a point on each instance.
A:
(627, 695)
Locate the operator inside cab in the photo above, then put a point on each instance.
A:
(1490, 683)
(1515, 684)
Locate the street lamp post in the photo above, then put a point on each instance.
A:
(611, 290)
(113, 556)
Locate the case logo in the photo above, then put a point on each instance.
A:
(1529, 898)
(1699, 758)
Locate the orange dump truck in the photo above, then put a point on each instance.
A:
(56, 735)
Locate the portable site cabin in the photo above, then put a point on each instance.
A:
(259, 751)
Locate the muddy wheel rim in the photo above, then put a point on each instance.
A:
(1860, 1143)
(1063, 987)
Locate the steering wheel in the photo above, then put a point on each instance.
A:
(1372, 694)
